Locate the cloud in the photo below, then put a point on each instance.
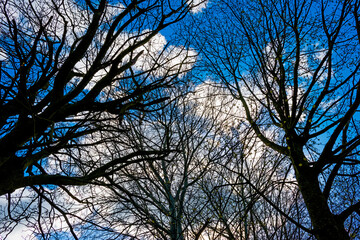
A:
(216, 102)
(3, 55)
(170, 61)
(20, 199)
(198, 5)
(156, 58)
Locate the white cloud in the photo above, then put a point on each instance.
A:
(198, 5)
(157, 58)
(15, 230)
(3, 55)
(214, 101)
(19, 232)
(169, 62)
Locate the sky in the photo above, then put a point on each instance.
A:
(172, 56)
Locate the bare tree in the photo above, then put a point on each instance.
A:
(72, 72)
(163, 199)
(294, 68)
(70, 67)
(251, 192)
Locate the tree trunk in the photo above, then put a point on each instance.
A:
(326, 225)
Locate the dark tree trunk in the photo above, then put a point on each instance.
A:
(326, 225)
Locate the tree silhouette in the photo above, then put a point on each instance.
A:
(108, 131)
(294, 68)
(68, 69)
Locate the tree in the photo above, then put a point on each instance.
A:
(196, 192)
(294, 68)
(250, 191)
(72, 72)
(68, 68)
(165, 198)
(162, 199)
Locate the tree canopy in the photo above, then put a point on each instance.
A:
(180, 119)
